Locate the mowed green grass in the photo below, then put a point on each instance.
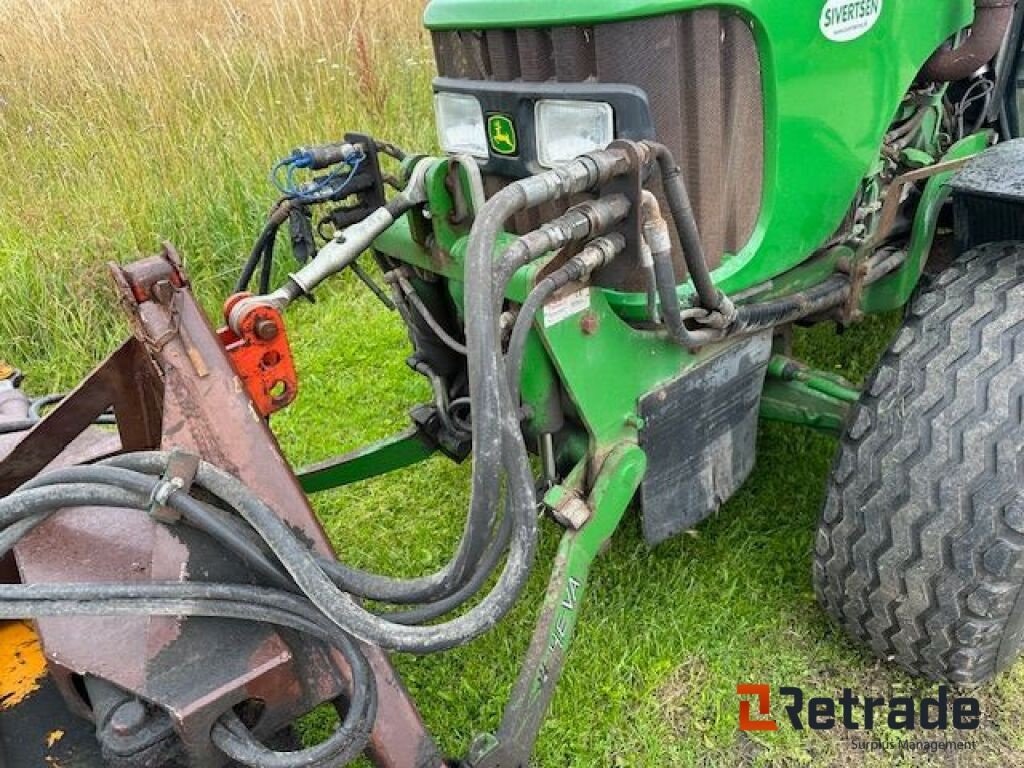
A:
(126, 123)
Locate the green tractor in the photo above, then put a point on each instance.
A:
(638, 201)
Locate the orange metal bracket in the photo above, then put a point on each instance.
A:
(261, 356)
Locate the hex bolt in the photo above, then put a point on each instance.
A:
(573, 513)
(128, 718)
(266, 329)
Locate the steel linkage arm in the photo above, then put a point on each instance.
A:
(598, 518)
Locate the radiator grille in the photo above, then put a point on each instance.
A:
(701, 72)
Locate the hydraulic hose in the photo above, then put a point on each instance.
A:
(479, 526)
(35, 415)
(333, 258)
(235, 537)
(211, 521)
(587, 219)
(339, 606)
(109, 486)
(597, 254)
(223, 602)
(763, 315)
(651, 280)
(278, 215)
(484, 570)
(498, 447)
(751, 318)
(679, 204)
(11, 426)
(656, 238)
(409, 292)
(497, 438)
(267, 267)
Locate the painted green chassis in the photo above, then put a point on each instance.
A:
(824, 126)
(605, 365)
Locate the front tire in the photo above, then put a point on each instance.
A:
(920, 550)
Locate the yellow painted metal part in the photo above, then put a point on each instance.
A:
(22, 663)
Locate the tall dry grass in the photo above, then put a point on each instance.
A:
(125, 122)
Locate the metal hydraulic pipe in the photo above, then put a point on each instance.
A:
(991, 21)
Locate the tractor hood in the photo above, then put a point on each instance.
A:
(490, 14)
(776, 109)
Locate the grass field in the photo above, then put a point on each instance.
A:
(123, 123)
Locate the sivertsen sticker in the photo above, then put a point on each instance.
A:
(846, 20)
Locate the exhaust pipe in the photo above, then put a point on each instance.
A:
(991, 20)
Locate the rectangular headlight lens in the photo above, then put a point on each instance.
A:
(460, 124)
(568, 129)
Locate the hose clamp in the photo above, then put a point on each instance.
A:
(179, 475)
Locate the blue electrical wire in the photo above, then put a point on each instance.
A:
(314, 192)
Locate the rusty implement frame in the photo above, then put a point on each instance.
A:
(173, 387)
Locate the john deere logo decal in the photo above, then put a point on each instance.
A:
(502, 134)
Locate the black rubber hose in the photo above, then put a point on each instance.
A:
(751, 318)
(45, 494)
(278, 215)
(497, 436)
(498, 445)
(224, 602)
(11, 426)
(234, 739)
(588, 219)
(485, 569)
(679, 204)
(338, 606)
(22, 504)
(372, 586)
(652, 293)
(238, 539)
(267, 265)
(480, 522)
(195, 513)
(832, 293)
(671, 313)
(524, 324)
(424, 312)
(17, 425)
(235, 537)
(255, 257)
(599, 253)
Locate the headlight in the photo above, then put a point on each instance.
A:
(460, 124)
(568, 129)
